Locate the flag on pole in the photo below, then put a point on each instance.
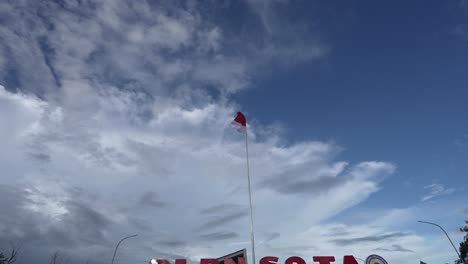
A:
(240, 123)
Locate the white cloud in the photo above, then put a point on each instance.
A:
(465, 210)
(299, 40)
(436, 190)
(125, 135)
(190, 158)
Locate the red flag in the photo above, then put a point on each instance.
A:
(240, 122)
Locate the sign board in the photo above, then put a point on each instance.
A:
(239, 257)
(235, 257)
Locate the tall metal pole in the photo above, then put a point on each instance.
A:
(115, 251)
(459, 257)
(252, 240)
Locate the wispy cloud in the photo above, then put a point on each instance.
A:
(394, 248)
(128, 102)
(460, 142)
(460, 26)
(172, 243)
(219, 236)
(325, 176)
(272, 236)
(374, 238)
(221, 208)
(223, 220)
(465, 209)
(151, 199)
(436, 190)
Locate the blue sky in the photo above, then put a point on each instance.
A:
(115, 119)
(393, 88)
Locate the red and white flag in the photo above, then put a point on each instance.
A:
(240, 123)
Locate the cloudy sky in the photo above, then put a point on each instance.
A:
(115, 120)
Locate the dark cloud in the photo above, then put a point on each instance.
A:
(172, 243)
(220, 208)
(88, 221)
(155, 160)
(40, 232)
(394, 248)
(287, 185)
(140, 224)
(292, 250)
(320, 176)
(376, 238)
(79, 221)
(151, 199)
(19, 74)
(222, 214)
(222, 220)
(43, 157)
(104, 156)
(272, 236)
(219, 236)
(306, 181)
(337, 231)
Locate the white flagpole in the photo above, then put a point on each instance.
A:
(250, 198)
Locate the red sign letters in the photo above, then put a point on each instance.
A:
(349, 259)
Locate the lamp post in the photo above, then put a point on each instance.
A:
(459, 257)
(116, 247)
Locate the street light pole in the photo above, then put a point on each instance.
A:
(459, 257)
(115, 251)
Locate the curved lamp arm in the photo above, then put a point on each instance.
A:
(116, 247)
(459, 257)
